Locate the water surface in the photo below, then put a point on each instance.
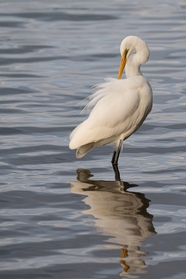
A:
(68, 218)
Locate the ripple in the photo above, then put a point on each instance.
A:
(56, 222)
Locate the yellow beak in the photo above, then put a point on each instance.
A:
(122, 66)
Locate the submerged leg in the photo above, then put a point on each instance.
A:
(116, 153)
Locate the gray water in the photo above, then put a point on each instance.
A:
(67, 218)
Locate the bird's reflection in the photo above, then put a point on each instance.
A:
(121, 215)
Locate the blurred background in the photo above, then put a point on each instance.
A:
(66, 218)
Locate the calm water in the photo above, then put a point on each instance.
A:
(68, 218)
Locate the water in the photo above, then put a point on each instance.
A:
(68, 218)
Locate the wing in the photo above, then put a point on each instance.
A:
(116, 110)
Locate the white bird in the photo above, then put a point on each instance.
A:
(119, 106)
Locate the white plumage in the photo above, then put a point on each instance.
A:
(119, 107)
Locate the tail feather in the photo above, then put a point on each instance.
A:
(84, 149)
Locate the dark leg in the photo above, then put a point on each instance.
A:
(113, 157)
(116, 153)
(116, 171)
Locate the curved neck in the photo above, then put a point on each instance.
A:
(135, 60)
(132, 67)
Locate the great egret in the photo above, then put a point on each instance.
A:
(119, 107)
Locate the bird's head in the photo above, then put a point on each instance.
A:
(127, 47)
